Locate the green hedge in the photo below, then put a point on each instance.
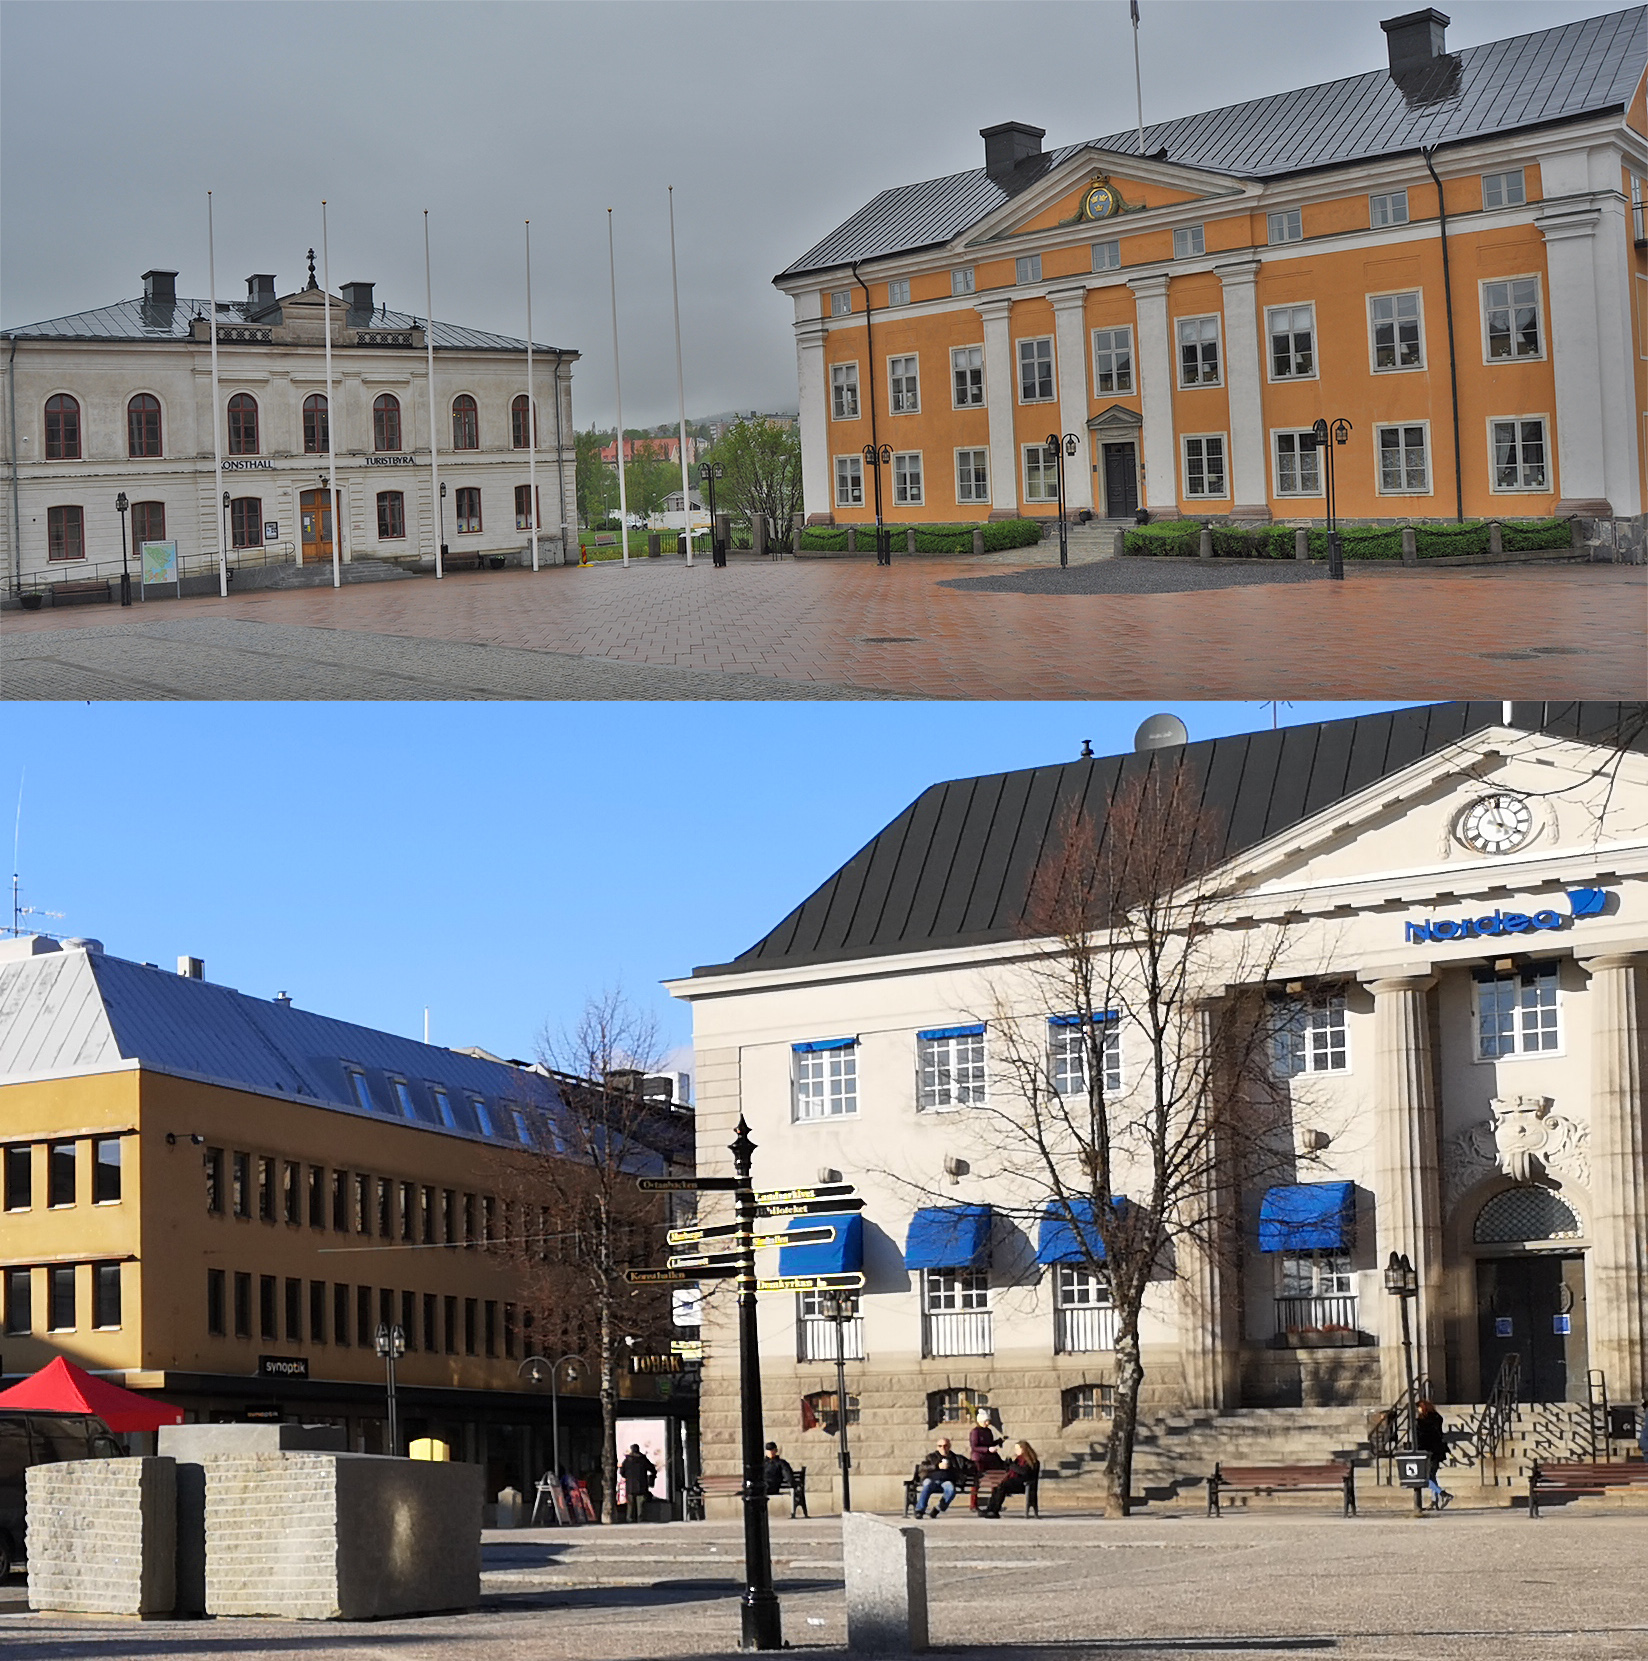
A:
(1182, 538)
(930, 539)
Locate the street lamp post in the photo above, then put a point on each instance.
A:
(1328, 438)
(225, 542)
(838, 1306)
(391, 1345)
(1056, 452)
(708, 473)
(120, 506)
(440, 527)
(533, 1368)
(1402, 1282)
(877, 459)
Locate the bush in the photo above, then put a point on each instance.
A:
(1172, 539)
(609, 524)
(1182, 539)
(930, 539)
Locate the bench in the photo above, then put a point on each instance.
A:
(990, 1481)
(1576, 1477)
(1335, 1477)
(81, 591)
(912, 1487)
(453, 558)
(732, 1487)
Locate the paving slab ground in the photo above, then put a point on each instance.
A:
(1163, 629)
(1461, 1587)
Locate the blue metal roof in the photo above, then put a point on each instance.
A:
(1577, 69)
(843, 1255)
(1308, 1216)
(948, 1237)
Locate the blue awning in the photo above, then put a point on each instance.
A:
(948, 1237)
(974, 1031)
(1307, 1217)
(1060, 1241)
(824, 1044)
(843, 1255)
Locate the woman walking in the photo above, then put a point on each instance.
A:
(1430, 1437)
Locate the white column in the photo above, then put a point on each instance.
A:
(1070, 343)
(999, 385)
(1155, 365)
(1617, 1310)
(1248, 442)
(1575, 345)
(1406, 1201)
(817, 494)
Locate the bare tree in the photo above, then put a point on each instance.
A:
(582, 1219)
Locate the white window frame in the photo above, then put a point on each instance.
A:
(1374, 366)
(841, 302)
(904, 385)
(952, 1072)
(1387, 207)
(1285, 225)
(844, 382)
(828, 1078)
(1027, 269)
(1189, 242)
(1051, 360)
(1521, 1029)
(1311, 1035)
(1315, 371)
(909, 490)
(1200, 344)
(1107, 256)
(1277, 434)
(1067, 1060)
(898, 291)
(1046, 474)
(1115, 391)
(968, 369)
(853, 478)
(1498, 489)
(1379, 485)
(955, 1291)
(1185, 441)
(982, 453)
(1324, 1273)
(1483, 285)
(963, 280)
(1521, 177)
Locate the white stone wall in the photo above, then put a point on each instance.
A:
(102, 1536)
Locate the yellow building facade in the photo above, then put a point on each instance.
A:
(1450, 264)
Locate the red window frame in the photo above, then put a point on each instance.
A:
(65, 533)
(386, 423)
(469, 510)
(148, 523)
(243, 425)
(391, 516)
(246, 522)
(62, 427)
(143, 426)
(317, 424)
(517, 423)
(466, 423)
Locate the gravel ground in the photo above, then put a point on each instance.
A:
(1141, 576)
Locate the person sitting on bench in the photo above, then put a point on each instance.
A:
(1022, 1467)
(776, 1473)
(941, 1472)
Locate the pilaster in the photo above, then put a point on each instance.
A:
(1159, 458)
(1070, 344)
(1243, 394)
(1574, 346)
(999, 397)
(817, 495)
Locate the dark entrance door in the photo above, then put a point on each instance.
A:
(1535, 1306)
(1121, 481)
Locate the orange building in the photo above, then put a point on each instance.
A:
(1182, 317)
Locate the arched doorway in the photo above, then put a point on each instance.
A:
(315, 522)
(1530, 1293)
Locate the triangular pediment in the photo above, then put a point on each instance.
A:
(1118, 419)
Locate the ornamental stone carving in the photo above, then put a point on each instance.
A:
(1524, 1138)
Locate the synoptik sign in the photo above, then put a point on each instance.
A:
(1582, 902)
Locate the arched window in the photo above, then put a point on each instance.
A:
(246, 522)
(1524, 1214)
(386, 422)
(466, 424)
(148, 523)
(243, 425)
(316, 425)
(62, 428)
(143, 425)
(517, 424)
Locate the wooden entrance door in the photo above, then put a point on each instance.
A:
(1121, 481)
(1534, 1305)
(315, 526)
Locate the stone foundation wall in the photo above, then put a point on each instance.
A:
(102, 1536)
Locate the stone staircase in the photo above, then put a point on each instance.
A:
(317, 575)
(1087, 543)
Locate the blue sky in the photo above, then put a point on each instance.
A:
(498, 863)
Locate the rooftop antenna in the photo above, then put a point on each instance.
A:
(18, 910)
(1276, 706)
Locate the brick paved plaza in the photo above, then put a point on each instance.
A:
(1162, 629)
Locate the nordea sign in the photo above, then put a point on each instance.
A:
(1583, 902)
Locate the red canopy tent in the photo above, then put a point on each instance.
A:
(62, 1387)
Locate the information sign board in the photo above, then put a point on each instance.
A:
(812, 1283)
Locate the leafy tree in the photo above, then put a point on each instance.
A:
(597, 482)
(763, 472)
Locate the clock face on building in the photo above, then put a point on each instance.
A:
(1099, 202)
(1496, 824)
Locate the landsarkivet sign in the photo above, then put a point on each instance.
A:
(1582, 902)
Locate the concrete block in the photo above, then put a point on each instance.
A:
(102, 1536)
(886, 1573)
(1301, 543)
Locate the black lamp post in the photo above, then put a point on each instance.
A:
(708, 473)
(877, 459)
(120, 506)
(839, 1308)
(1056, 452)
(391, 1345)
(440, 529)
(1327, 439)
(225, 542)
(1402, 1282)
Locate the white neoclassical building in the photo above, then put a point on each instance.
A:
(1458, 896)
(118, 402)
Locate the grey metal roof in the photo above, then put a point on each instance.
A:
(1577, 69)
(146, 320)
(956, 867)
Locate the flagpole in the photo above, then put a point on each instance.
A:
(531, 412)
(618, 390)
(1138, 83)
(434, 425)
(331, 414)
(217, 431)
(680, 382)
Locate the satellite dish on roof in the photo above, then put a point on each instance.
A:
(1160, 732)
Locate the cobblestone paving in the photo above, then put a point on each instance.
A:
(1463, 1587)
(917, 629)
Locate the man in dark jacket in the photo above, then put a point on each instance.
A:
(775, 1471)
(942, 1472)
(639, 1474)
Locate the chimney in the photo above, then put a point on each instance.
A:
(284, 999)
(160, 286)
(358, 297)
(1415, 40)
(260, 291)
(192, 968)
(1009, 143)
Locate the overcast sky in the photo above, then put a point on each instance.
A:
(774, 121)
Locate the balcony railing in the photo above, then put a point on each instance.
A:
(1076, 1331)
(815, 1339)
(1306, 1322)
(961, 1332)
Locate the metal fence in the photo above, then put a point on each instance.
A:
(1317, 1314)
(815, 1339)
(964, 1332)
(1080, 1329)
